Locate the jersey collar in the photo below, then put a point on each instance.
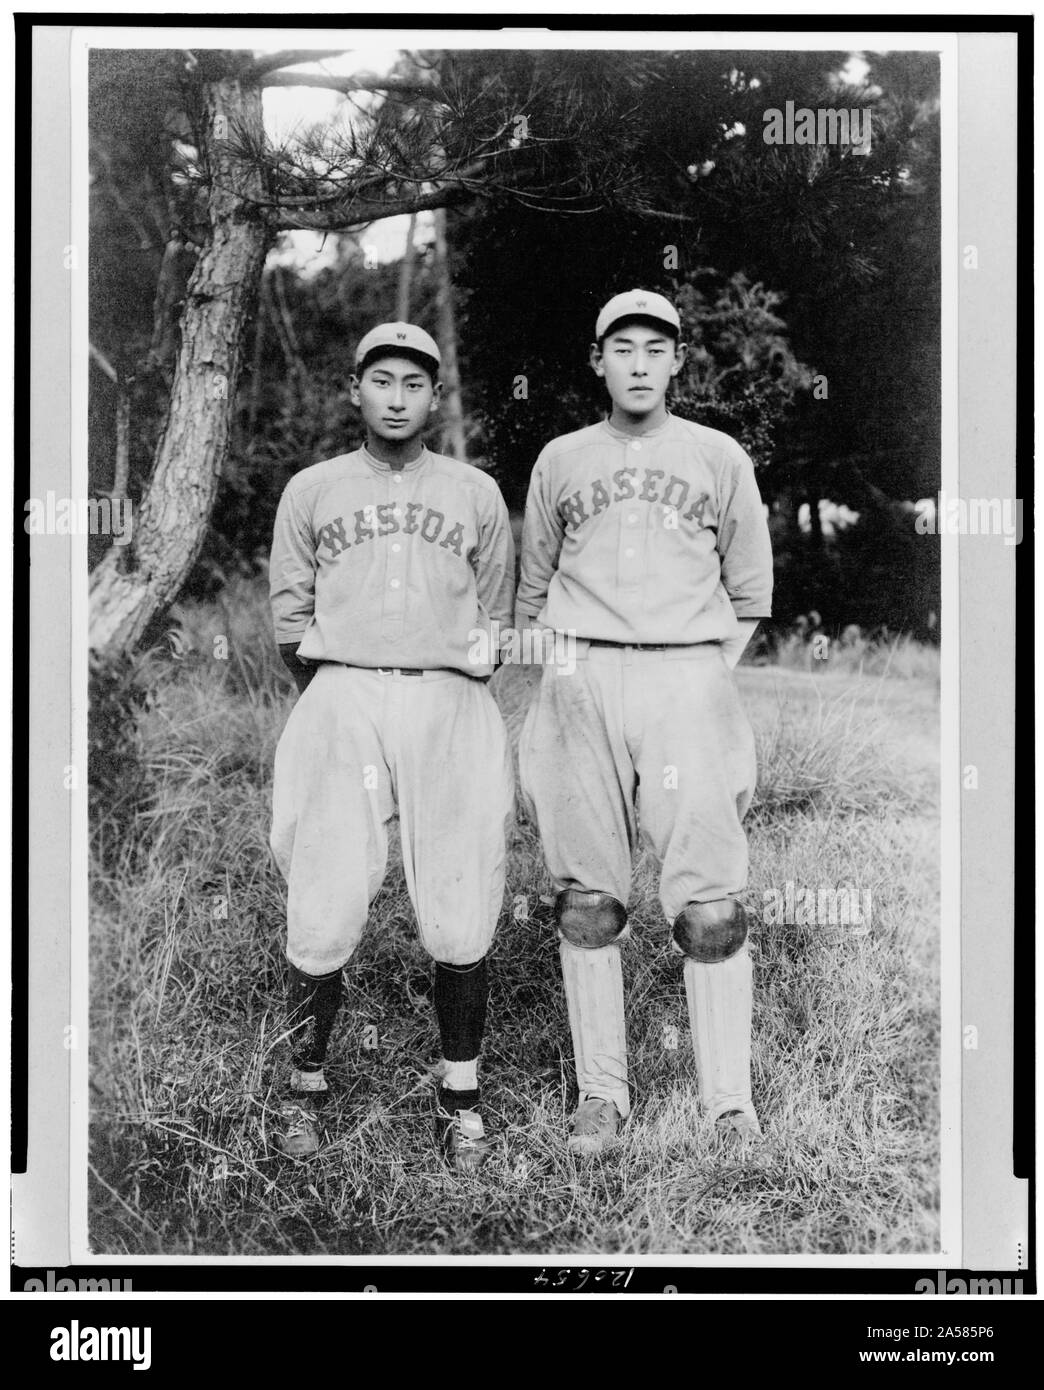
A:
(648, 434)
(379, 466)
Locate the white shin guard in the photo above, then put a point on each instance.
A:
(720, 1000)
(593, 981)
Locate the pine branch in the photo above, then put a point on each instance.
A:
(360, 82)
(664, 216)
(286, 58)
(362, 186)
(357, 214)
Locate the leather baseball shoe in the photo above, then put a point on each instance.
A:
(299, 1116)
(459, 1130)
(595, 1127)
(738, 1130)
(299, 1137)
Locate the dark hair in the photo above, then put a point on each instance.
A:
(422, 360)
(667, 329)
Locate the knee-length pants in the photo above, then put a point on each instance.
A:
(359, 745)
(635, 746)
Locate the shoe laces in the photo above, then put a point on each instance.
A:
(466, 1137)
(299, 1121)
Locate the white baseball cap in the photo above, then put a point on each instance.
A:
(404, 337)
(637, 304)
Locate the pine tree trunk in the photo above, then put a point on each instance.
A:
(134, 584)
(409, 258)
(453, 439)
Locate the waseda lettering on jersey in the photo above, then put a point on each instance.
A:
(582, 505)
(376, 522)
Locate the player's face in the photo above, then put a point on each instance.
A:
(637, 362)
(396, 398)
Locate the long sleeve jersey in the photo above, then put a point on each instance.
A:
(376, 567)
(660, 538)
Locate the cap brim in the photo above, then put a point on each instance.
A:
(423, 359)
(672, 329)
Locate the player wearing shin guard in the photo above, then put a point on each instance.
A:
(646, 540)
(386, 563)
(590, 926)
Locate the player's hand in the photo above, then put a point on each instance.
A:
(302, 671)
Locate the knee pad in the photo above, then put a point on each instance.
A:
(589, 920)
(710, 932)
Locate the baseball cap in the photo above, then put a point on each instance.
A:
(637, 304)
(399, 337)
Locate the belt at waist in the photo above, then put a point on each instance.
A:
(441, 671)
(641, 646)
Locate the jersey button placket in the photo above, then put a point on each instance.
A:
(395, 568)
(653, 538)
(628, 559)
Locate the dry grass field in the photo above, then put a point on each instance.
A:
(188, 1055)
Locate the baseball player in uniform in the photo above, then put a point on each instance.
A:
(645, 537)
(385, 563)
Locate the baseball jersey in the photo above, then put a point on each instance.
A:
(659, 538)
(373, 566)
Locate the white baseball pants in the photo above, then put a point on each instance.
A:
(359, 745)
(653, 746)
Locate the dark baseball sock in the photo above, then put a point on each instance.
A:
(461, 995)
(315, 998)
(457, 1100)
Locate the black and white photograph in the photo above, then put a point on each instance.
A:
(519, 516)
